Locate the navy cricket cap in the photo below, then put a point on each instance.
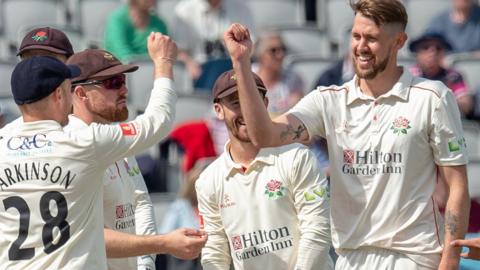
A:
(438, 37)
(48, 39)
(37, 77)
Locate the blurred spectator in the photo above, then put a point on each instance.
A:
(127, 30)
(429, 50)
(460, 25)
(338, 73)
(183, 213)
(200, 24)
(128, 27)
(285, 88)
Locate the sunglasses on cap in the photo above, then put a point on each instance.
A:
(112, 83)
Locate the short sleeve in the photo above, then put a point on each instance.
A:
(446, 133)
(309, 111)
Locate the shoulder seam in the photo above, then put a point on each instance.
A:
(426, 89)
(334, 89)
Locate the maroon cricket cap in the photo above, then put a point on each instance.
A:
(226, 84)
(48, 39)
(96, 63)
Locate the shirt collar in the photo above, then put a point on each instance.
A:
(400, 89)
(265, 156)
(43, 125)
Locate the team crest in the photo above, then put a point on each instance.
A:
(40, 36)
(400, 125)
(274, 189)
(108, 56)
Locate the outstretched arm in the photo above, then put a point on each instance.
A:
(262, 130)
(182, 243)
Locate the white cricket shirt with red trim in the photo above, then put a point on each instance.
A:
(51, 185)
(384, 154)
(126, 204)
(274, 215)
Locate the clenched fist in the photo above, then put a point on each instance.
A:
(238, 42)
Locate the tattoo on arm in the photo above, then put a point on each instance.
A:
(451, 222)
(290, 131)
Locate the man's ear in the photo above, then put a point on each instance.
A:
(219, 111)
(401, 39)
(266, 101)
(80, 93)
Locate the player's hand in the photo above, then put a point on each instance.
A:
(185, 243)
(238, 42)
(472, 244)
(161, 47)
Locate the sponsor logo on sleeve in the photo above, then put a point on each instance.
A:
(317, 193)
(128, 129)
(455, 144)
(274, 189)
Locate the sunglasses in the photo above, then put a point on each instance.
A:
(275, 50)
(113, 83)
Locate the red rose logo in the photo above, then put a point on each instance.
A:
(274, 189)
(400, 125)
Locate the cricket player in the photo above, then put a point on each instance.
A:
(263, 208)
(389, 135)
(135, 211)
(51, 180)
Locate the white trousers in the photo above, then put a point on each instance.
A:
(375, 259)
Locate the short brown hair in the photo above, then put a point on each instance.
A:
(382, 11)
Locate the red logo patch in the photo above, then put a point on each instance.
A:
(128, 129)
(348, 156)
(237, 242)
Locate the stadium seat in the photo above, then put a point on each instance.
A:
(473, 170)
(140, 82)
(309, 67)
(18, 13)
(339, 18)
(93, 17)
(192, 107)
(471, 131)
(276, 12)
(166, 12)
(305, 40)
(469, 66)
(421, 12)
(6, 68)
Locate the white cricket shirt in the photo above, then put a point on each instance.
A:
(273, 216)
(51, 185)
(126, 204)
(384, 154)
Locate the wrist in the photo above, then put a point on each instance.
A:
(160, 242)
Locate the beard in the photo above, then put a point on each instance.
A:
(110, 113)
(372, 72)
(233, 129)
